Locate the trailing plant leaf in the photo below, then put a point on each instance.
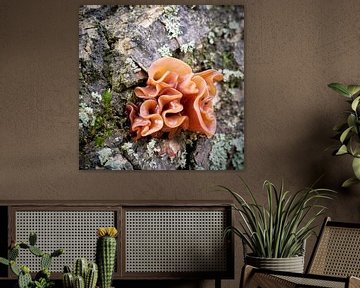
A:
(4, 261)
(356, 167)
(345, 134)
(349, 182)
(349, 131)
(355, 103)
(353, 89)
(342, 150)
(340, 88)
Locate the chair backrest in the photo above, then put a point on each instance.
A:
(337, 251)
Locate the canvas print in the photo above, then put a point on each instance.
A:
(161, 87)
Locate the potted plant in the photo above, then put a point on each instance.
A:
(42, 278)
(276, 233)
(349, 132)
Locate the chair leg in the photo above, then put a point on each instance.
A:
(246, 274)
(250, 278)
(217, 283)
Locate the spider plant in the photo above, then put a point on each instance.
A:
(280, 229)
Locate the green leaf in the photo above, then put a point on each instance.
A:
(351, 120)
(354, 145)
(342, 150)
(340, 88)
(14, 268)
(106, 98)
(353, 89)
(349, 182)
(356, 167)
(99, 141)
(355, 103)
(345, 134)
(4, 261)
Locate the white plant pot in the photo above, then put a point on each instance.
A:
(291, 264)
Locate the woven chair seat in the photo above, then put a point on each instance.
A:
(335, 262)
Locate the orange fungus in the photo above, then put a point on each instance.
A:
(174, 99)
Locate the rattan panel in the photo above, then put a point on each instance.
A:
(312, 282)
(338, 253)
(75, 231)
(175, 241)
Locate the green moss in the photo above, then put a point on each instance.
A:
(104, 122)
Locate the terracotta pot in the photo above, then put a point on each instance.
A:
(291, 264)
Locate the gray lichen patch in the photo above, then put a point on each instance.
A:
(117, 44)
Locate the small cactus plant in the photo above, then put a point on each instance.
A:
(85, 275)
(42, 278)
(106, 254)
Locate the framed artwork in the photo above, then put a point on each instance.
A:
(161, 87)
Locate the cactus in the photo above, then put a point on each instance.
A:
(14, 268)
(89, 272)
(45, 261)
(80, 268)
(44, 273)
(67, 269)
(36, 251)
(32, 238)
(57, 252)
(13, 253)
(106, 254)
(91, 276)
(79, 282)
(68, 280)
(24, 246)
(24, 278)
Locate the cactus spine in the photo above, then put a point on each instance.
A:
(106, 254)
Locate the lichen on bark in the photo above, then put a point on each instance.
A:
(117, 44)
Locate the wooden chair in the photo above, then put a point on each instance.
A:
(334, 263)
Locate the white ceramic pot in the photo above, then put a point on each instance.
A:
(291, 264)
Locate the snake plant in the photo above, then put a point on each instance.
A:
(280, 228)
